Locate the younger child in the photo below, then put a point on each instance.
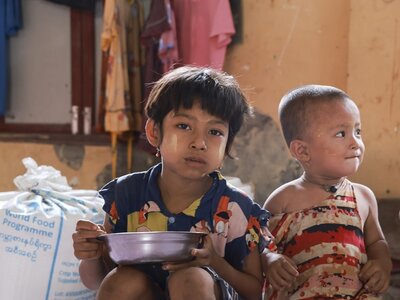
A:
(328, 238)
(193, 116)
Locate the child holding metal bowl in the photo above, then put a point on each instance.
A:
(193, 116)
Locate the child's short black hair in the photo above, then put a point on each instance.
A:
(294, 107)
(217, 92)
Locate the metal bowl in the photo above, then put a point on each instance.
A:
(155, 246)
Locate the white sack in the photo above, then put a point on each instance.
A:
(36, 225)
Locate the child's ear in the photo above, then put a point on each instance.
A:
(152, 133)
(299, 150)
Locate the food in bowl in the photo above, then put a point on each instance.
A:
(150, 247)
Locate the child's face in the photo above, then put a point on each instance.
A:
(193, 143)
(334, 140)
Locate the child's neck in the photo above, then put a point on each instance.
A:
(178, 195)
(329, 185)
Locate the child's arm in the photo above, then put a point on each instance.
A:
(376, 272)
(92, 267)
(280, 270)
(247, 283)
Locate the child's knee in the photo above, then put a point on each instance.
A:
(124, 282)
(193, 282)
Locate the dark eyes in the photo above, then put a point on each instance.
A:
(215, 132)
(183, 126)
(343, 133)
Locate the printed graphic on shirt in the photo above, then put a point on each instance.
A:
(148, 218)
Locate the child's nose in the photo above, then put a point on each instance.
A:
(355, 142)
(199, 143)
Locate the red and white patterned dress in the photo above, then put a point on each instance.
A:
(326, 242)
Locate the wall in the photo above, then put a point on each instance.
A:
(373, 81)
(351, 44)
(82, 165)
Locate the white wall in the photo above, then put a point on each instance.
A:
(40, 65)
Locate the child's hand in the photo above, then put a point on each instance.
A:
(280, 270)
(84, 242)
(376, 279)
(203, 257)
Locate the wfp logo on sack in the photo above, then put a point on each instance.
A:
(24, 246)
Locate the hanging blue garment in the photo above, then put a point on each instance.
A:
(10, 22)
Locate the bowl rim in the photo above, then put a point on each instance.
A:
(148, 233)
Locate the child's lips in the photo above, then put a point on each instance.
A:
(353, 157)
(197, 160)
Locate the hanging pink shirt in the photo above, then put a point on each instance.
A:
(204, 30)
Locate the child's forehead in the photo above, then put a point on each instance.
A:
(334, 112)
(196, 113)
(330, 106)
(195, 109)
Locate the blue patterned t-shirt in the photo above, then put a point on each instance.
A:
(233, 221)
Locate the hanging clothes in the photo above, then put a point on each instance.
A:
(118, 116)
(123, 21)
(135, 52)
(168, 48)
(135, 60)
(156, 24)
(10, 23)
(204, 30)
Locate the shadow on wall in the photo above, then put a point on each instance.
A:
(262, 157)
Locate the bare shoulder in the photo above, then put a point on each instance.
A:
(277, 202)
(364, 193)
(368, 209)
(366, 201)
